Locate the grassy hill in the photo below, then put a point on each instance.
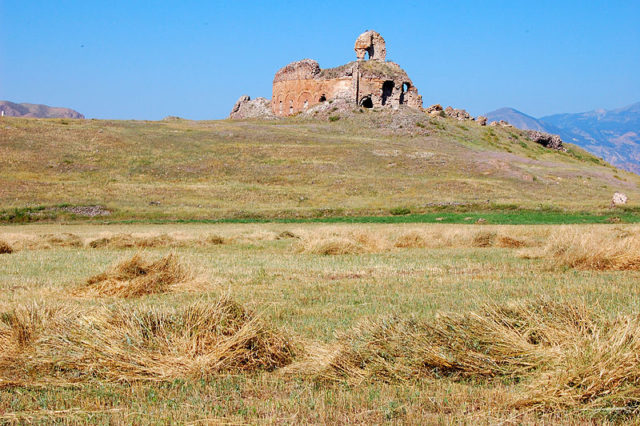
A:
(363, 164)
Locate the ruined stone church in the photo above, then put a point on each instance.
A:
(369, 81)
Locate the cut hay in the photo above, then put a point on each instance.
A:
(600, 372)
(484, 239)
(508, 242)
(566, 356)
(330, 246)
(62, 345)
(122, 241)
(60, 240)
(512, 342)
(215, 240)
(136, 277)
(5, 248)
(285, 235)
(588, 250)
(412, 239)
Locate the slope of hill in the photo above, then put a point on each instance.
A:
(613, 135)
(369, 163)
(11, 109)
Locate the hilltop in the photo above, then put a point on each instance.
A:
(367, 162)
(611, 134)
(11, 109)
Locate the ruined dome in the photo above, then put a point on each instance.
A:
(372, 43)
(305, 69)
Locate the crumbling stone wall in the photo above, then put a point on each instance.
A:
(372, 43)
(300, 85)
(372, 83)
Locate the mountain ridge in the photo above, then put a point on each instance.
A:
(12, 109)
(611, 134)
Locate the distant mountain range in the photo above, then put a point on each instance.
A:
(11, 109)
(613, 135)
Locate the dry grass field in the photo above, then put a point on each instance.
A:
(318, 323)
(370, 163)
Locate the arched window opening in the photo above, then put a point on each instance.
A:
(405, 87)
(290, 107)
(323, 98)
(366, 102)
(387, 90)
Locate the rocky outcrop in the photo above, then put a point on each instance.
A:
(248, 108)
(435, 110)
(11, 109)
(458, 114)
(500, 123)
(481, 120)
(546, 139)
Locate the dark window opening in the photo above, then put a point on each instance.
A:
(387, 90)
(323, 98)
(366, 102)
(405, 87)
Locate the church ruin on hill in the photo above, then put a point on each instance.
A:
(370, 81)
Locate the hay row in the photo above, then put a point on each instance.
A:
(563, 356)
(567, 356)
(59, 344)
(358, 242)
(129, 241)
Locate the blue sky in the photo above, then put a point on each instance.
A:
(149, 59)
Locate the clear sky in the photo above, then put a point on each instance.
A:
(149, 59)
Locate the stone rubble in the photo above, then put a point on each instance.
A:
(245, 107)
(546, 139)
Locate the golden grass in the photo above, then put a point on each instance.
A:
(596, 251)
(347, 241)
(137, 277)
(484, 239)
(121, 240)
(499, 341)
(509, 242)
(412, 239)
(5, 248)
(567, 355)
(215, 239)
(330, 246)
(64, 239)
(62, 344)
(600, 370)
